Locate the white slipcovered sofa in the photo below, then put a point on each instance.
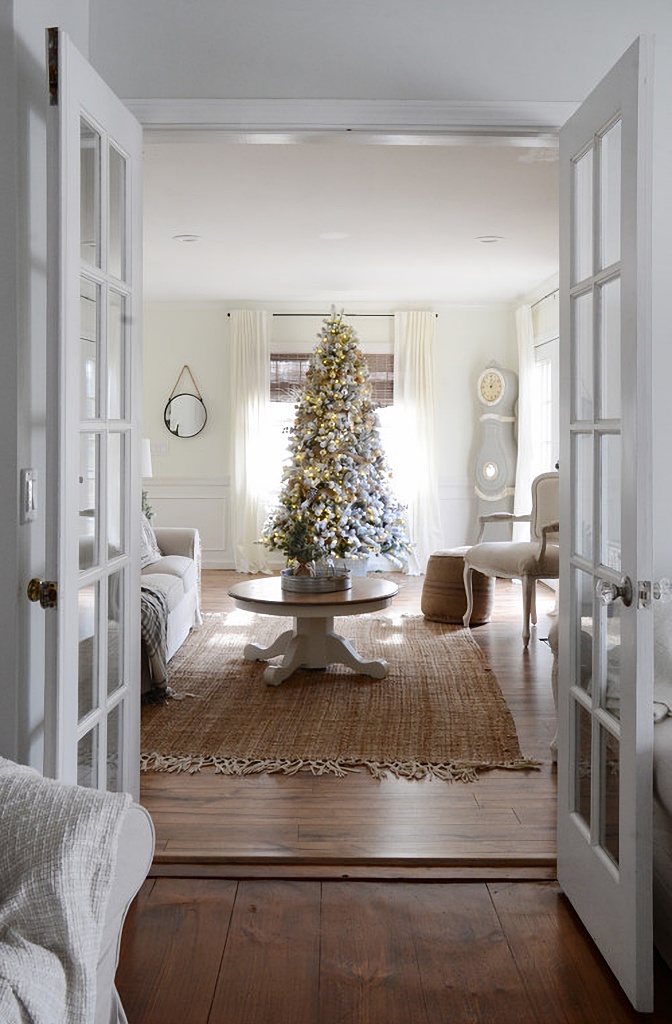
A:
(71, 862)
(170, 560)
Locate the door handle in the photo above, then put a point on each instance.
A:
(610, 592)
(44, 591)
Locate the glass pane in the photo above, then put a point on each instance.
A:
(87, 651)
(583, 630)
(610, 197)
(117, 230)
(114, 745)
(582, 216)
(87, 760)
(115, 489)
(610, 500)
(610, 349)
(88, 348)
(115, 356)
(88, 490)
(583, 762)
(583, 494)
(115, 620)
(582, 340)
(610, 667)
(611, 770)
(89, 203)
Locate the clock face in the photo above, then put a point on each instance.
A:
(490, 386)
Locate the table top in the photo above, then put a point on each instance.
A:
(265, 595)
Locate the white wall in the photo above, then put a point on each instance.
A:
(381, 49)
(9, 351)
(191, 476)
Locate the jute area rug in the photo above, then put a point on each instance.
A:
(439, 712)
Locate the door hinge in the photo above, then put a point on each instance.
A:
(52, 65)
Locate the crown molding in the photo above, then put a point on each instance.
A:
(425, 122)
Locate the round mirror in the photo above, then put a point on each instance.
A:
(185, 415)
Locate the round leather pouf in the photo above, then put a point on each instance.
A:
(443, 598)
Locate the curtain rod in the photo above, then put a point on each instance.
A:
(349, 316)
(544, 297)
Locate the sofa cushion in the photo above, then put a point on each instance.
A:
(170, 586)
(184, 569)
(149, 548)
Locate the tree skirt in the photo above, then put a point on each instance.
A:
(439, 712)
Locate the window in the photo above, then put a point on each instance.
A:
(288, 372)
(546, 395)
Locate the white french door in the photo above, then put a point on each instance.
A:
(93, 485)
(606, 627)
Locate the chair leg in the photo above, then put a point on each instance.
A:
(468, 590)
(528, 584)
(533, 602)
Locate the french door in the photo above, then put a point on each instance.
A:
(93, 485)
(606, 627)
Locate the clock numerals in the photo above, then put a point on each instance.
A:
(491, 386)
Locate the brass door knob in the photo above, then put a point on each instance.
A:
(44, 591)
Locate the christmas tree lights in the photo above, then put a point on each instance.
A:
(336, 499)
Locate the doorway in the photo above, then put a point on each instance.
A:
(394, 224)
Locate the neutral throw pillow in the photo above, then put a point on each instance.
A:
(149, 548)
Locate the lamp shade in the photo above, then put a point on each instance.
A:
(146, 458)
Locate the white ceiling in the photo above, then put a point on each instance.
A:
(271, 220)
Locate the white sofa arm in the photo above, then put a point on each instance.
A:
(178, 540)
(134, 859)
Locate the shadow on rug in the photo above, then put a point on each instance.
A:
(439, 712)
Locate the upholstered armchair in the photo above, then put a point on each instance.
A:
(528, 561)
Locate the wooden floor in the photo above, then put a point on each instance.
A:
(220, 951)
(314, 827)
(321, 906)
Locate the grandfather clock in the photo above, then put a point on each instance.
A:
(495, 470)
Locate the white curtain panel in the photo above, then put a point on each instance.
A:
(527, 461)
(250, 388)
(415, 475)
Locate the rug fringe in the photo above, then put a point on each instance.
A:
(454, 771)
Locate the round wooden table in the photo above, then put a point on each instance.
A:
(312, 642)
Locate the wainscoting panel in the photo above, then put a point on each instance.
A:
(457, 503)
(201, 503)
(205, 504)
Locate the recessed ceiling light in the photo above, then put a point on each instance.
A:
(489, 239)
(333, 236)
(187, 238)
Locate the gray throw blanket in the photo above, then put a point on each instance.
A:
(154, 632)
(58, 854)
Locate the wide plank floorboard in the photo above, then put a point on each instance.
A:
(504, 817)
(197, 951)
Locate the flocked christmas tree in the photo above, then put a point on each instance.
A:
(336, 499)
